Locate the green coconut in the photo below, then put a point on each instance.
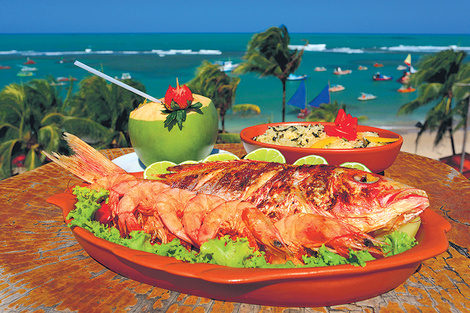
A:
(153, 142)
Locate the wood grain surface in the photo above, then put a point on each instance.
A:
(44, 269)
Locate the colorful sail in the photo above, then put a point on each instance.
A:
(299, 98)
(323, 97)
(408, 60)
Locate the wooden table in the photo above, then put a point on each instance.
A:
(44, 269)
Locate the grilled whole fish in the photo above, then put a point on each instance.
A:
(364, 200)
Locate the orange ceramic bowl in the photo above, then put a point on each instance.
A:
(294, 287)
(377, 159)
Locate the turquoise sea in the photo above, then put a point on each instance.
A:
(158, 59)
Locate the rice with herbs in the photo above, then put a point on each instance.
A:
(305, 136)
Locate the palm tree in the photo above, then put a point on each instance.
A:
(437, 80)
(108, 105)
(215, 84)
(268, 54)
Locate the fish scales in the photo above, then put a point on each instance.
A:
(365, 200)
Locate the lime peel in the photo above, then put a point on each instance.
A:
(266, 154)
(356, 165)
(224, 156)
(311, 160)
(157, 168)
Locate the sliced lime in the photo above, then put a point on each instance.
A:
(225, 156)
(189, 162)
(356, 165)
(157, 168)
(267, 155)
(311, 160)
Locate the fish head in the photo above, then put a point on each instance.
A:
(371, 202)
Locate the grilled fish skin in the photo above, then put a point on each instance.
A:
(364, 200)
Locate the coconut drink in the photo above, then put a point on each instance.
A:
(184, 126)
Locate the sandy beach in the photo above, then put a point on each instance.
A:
(426, 146)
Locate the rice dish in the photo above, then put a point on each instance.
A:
(303, 136)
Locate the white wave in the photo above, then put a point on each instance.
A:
(8, 52)
(430, 49)
(110, 52)
(309, 47)
(163, 53)
(346, 50)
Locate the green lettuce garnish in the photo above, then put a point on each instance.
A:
(222, 251)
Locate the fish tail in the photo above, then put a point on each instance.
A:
(87, 163)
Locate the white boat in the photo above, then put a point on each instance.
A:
(126, 76)
(227, 66)
(366, 96)
(336, 88)
(320, 69)
(339, 71)
(296, 77)
(28, 69)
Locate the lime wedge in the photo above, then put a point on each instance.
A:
(356, 165)
(311, 160)
(267, 155)
(157, 168)
(221, 157)
(189, 162)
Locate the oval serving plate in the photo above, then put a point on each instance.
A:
(296, 287)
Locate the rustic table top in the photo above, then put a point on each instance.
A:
(43, 268)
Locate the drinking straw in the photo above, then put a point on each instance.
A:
(115, 81)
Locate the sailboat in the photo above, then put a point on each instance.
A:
(299, 99)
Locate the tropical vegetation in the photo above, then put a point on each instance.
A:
(33, 117)
(215, 84)
(268, 54)
(442, 81)
(327, 112)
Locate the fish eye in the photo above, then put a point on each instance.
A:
(366, 178)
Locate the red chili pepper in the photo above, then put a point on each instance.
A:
(345, 126)
(103, 214)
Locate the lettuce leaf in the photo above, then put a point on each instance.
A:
(222, 251)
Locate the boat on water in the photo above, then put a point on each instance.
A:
(320, 69)
(28, 69)
(227, 66)
(24, 74)
(366, 96)
(299, 99)
(336, 88)
(296, 77)
(378, 65)
(381, 77)
(66, 79)
(401, 67)
(362, 68)
(126, 76)
(29, 61)
(339, 71)
(406, 89)
(5, 67)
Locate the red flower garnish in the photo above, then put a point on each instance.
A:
(177, 101)
(345, 126)
(178, 98)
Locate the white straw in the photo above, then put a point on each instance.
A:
(115, 81)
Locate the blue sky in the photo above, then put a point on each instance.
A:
(327, 16)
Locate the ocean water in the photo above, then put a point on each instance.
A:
(158, 59)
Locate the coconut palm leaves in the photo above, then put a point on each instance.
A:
(438, 80)
(107, 104)
(33, 117)
(268, 54)
(211, 82)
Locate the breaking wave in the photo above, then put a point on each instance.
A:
(161, 53)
